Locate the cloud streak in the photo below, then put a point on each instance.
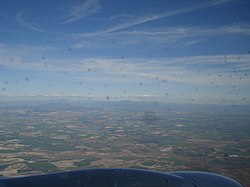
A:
(190, 31)
(144, 19)
(82, 11)
(195, 70)
(28, 25)
(185, 36)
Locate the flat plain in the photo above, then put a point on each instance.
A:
(56, 135)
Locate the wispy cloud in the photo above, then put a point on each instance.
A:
(78, 12)
(190, 31)
(152, 17)
(195, 70)
(28, 25)
(184, 36)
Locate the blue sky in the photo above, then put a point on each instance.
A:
(162, 50)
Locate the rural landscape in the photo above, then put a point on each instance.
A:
(54, 135)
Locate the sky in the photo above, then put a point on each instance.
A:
(175, 51)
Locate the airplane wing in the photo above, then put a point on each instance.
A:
(121, 178)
